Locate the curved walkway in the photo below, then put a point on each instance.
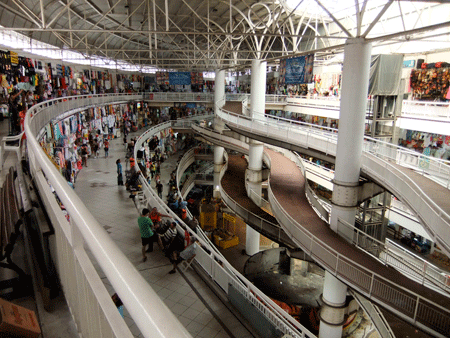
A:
(233, 183)
(186, 294)
(288, 187)
(426, 198)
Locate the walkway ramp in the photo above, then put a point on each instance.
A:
(384, 285)
(233, 183)
(380, 162)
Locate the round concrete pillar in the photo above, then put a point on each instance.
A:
(251, 241)
(355, 83)
(219, 89)
(258, 88)
(333, 308)
(255, 155)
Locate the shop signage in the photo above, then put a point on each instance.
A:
(14, 58)
(409, 63)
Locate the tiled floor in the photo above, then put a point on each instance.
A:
(190, 299)
(187, 295)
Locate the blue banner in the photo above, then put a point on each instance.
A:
(409, 63)
(179, 78)
(295, 70)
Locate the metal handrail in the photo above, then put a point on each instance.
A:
(145, 307)
(282, 320)
(311, 136)
(363, 280)
(294, 157)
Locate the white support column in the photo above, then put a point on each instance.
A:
(219, 89)
(355, 83)
(333, 309)
(255, 155)
(251, 241)
(257, 106)
(218, 163)
(258, 87)
(219, 101)
(253, 174)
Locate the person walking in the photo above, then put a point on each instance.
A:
(84, 155)
(95, 148)
(106, 145)
(159, 188)
(119, 172)
(153, 169)
(145, 228)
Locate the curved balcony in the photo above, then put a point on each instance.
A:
(386, 164)
(414, 303)
(81, 283)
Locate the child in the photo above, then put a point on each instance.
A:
(106, 145)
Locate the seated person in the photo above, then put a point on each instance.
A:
(188, 254)
(174, 206)
(181, 203)
(156, 216)
(133, 181)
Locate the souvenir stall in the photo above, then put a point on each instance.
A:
(59, 141)
(431, 82)
(429, 144)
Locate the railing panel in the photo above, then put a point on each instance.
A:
(144, 305)
(213, 261)
(430, 316)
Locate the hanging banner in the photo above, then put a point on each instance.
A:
(295, 70)
(179, 78)
(298, 70)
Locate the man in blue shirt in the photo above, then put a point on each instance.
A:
(145, 227)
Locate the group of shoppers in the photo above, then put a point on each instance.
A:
(153, 230)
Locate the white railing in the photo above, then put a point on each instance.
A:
(179, 97)
(408, 305)
(425, 272)
(185, 122)
(432, 110)
(221, 271)
(376, 316)
(399, 258)
(90, 303)
(187, 159)
(425, 109)
(258, 199)
(310, 136)
(435, 220)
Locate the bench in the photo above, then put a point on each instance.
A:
(11, 143)
(11, 209)
(39, 237)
